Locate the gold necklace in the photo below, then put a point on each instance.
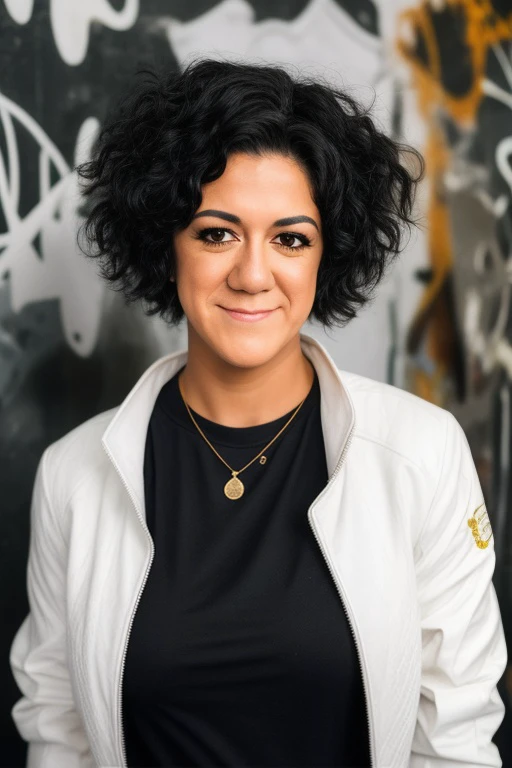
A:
(234, 488)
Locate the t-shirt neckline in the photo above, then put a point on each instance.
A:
(172, 404)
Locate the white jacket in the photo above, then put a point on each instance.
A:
(392, 524)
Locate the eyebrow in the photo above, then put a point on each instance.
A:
(236, 219)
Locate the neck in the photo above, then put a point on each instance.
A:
(244, 397)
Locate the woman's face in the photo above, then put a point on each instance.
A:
(242, 251)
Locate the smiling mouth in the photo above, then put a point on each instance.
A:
(248, 311)
(248, 317)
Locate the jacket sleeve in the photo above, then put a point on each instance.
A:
(463, 645)
(46, 716)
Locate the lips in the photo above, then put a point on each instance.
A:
(248, 317)
(248, 311)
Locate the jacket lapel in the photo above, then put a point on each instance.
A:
(125, 437)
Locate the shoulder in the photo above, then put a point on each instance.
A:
(399, 431)
(400, 421)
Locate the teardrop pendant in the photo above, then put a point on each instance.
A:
(234, 488)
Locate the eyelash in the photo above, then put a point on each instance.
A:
(306, 242)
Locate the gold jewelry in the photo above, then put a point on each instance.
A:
(234, 488)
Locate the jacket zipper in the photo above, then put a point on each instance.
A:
(134, 611)
(341, 592)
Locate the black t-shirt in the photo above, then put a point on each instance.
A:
(240, 653)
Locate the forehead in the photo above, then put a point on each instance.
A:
(261, 186)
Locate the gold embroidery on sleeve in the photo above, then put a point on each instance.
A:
(479, 528)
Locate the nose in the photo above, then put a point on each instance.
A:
(252, 270)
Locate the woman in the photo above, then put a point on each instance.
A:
(256, 559)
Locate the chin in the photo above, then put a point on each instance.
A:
(243, 351)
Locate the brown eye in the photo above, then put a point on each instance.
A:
(214, 235)
(217, 235)
(289, 237)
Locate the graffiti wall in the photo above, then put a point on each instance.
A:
(439, 74)
(456, 59)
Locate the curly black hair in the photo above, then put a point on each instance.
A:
(172, 133)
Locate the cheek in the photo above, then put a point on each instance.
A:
(301, 283)
(199, 277)
(189, 266)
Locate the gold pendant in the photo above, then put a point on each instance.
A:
(234, 488)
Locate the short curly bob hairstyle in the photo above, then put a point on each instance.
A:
(173, 133)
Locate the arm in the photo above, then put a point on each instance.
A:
(463, 644)
(46, 716)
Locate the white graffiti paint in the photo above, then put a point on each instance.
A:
(71, 22)
(63, 272)
(322, 39)
(20, 10)
(503, 158)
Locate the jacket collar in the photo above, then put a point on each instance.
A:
(124, 439)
